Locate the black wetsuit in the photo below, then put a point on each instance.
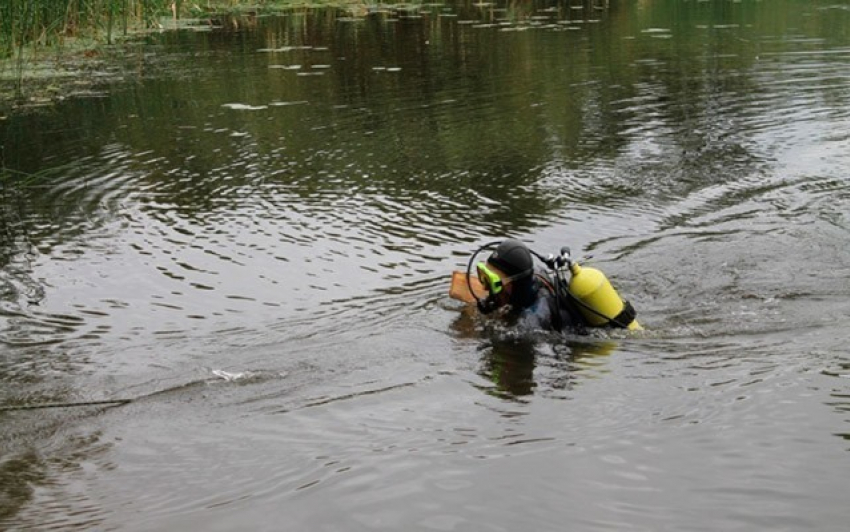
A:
(535, 305)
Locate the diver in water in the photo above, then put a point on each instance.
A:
(536, 298)
(522, 291)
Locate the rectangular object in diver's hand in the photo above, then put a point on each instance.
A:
(460, 288)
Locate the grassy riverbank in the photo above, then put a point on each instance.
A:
(46, 23)
(57, 39)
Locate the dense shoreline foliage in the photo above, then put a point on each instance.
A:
(50, 22)
(45, 23)
(41, 38)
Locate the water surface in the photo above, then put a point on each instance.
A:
(251, 236)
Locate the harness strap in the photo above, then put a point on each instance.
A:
(546, 282)
(625, 317)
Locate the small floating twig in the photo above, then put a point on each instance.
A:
(65, 405)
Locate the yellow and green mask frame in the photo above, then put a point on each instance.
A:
(493, 282)
(490, 279)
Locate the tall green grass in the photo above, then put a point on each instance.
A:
(38, 23)
(33, 24)
(27, 26)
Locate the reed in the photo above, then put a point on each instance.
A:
(28, 26)
(39, 23)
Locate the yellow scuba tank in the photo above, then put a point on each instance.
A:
(598, 301)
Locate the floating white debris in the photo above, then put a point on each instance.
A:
(284, 49)
(284, 104)
(248, 377)
(227, 375)
(245, 107)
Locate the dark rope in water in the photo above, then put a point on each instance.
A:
(66, 405)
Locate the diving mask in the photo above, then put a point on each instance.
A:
(492, 281)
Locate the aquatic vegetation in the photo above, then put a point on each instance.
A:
(32, 29)
(42, 23)
(29, 27)
(50, 22)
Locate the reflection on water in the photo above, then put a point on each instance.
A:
(251, 237)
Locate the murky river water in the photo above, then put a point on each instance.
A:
(251, 237)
